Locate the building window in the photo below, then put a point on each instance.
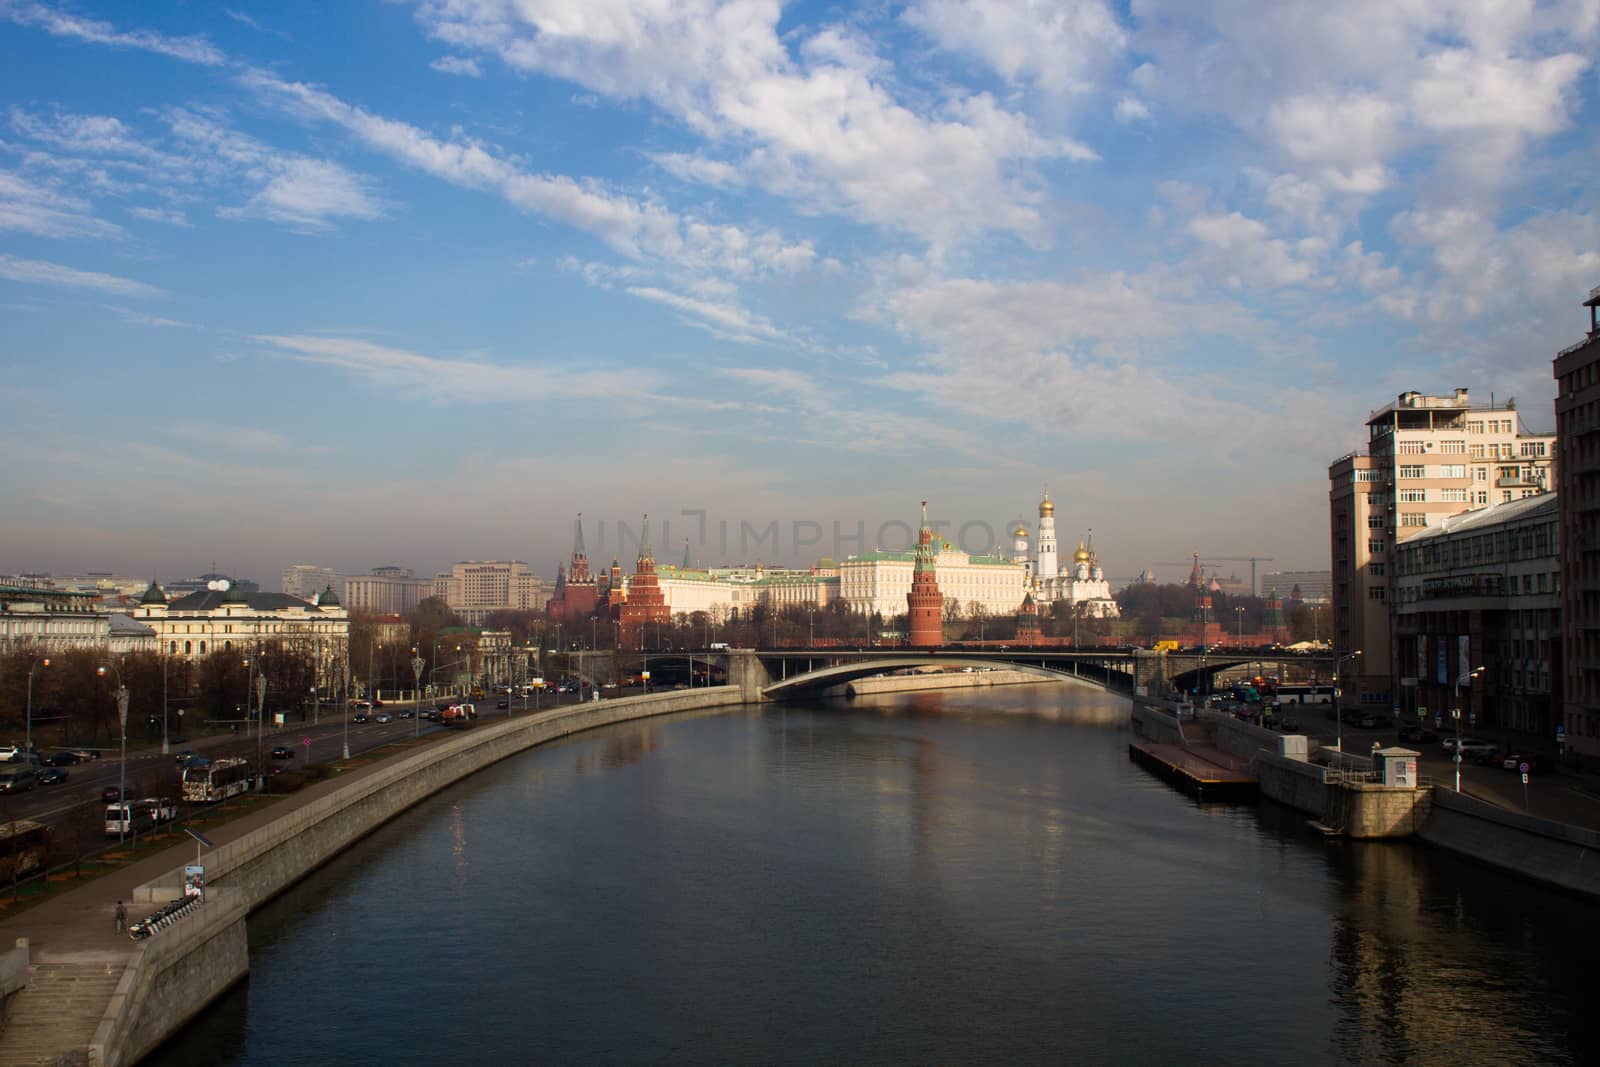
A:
(1413, 496)
(1375, 522)
(1409, 447)
(1413, 470)
(1453, 496)
(1475, 427)
(1453, 470)
(1413, 518)
(1454, 448)
(1376, 569)
(1375, 547)
(1532, 448)
(1482, 497)
(1375, 593)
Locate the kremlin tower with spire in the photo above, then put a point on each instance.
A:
(646, 602)
(925, 604)
(576, 594)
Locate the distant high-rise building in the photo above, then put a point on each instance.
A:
(1427, 457)
(306, 580)
(476, 589)
(1316, 587)
(385, 590)
(1577, 372)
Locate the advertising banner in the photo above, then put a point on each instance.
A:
(1462, 663)
(194, 880)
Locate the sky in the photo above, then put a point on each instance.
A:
(411, 282)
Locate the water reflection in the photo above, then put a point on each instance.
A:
(943, 877)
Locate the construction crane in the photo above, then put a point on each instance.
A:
(1197, 563)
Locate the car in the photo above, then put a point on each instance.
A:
(1287, 723)
(359, 717)
(86, 753)
(383, 716)
(111, 794)
(1489, 757)
(185, 756)
(502, 703)
(1536, 764)
(361, 703)
(407, 713)
(51, 776)
(1416, 734)
(1467, 745)
(62, 759)
(283, 752)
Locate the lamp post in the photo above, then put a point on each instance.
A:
(122, 766)
(33, 666)
(1338, 713)
(1240, 613)
(261, 715)
(1465, 679)
(344, 698)
(163, 701)
(416, 673)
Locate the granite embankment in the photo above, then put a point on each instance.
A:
(172, 976)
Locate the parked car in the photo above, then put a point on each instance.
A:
(1490, 757)
(1513, 761)
(383, 716)
(51, 776)
(62, 759)
(283, 752)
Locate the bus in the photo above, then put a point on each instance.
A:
(1304, 693)
(130, 817)
(205, 783)
(23, 845)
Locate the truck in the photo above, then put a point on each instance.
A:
(1166, 646)
(458, 715)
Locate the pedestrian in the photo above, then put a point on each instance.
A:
(121, 918)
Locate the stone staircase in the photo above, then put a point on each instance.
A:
(53, 1018)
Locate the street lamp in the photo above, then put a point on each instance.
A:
(1455, 713)
(417, 664)
(1240, 613)
(122, 768)
(32, 666)
(1338, 720)
(344, 698)
(261, 715)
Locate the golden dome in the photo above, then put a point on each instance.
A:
(1020, 531)
(1045, 506)
(1082, 555)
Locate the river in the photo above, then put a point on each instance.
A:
(975, 876)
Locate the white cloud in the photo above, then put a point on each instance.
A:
(1058, 45)
(40, 272)
(471, 381)
(822, 128)
(1247, 255)
(635, 228)
(464, 65)
(140, 318)
(60, 24)
(1131, 109)
(726, 320)
(45, 211)
(167, 215)
(309, 193)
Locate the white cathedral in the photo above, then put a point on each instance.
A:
(1083, 585)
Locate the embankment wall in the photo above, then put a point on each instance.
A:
(1553, 852)
(911, 683)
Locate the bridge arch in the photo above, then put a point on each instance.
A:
(812, 682)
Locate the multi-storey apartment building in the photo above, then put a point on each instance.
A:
(475, 589)
(306, 580)
(386, 590)
(1577, 371)
(1427, 457)
(1479, 590)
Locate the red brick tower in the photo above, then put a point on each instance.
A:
(583, 594)
(1028, 621)
(925, 603)
(646, 602)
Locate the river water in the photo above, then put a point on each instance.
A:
(975, 876)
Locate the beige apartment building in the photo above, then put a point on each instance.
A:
(1427, 458)
(475, 589)
(1577, 372)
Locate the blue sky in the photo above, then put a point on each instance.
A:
(401, 282)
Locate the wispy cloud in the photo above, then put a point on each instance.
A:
(60, 24)
(469, 381)
(308, 193)
(234, 438)
(140, 318)
(44, 211)
(40, 272)
(464, 65)
(729, 321)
